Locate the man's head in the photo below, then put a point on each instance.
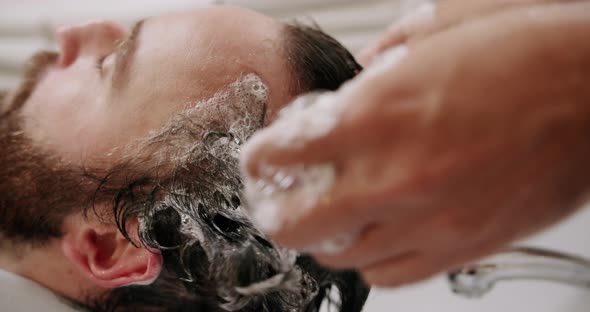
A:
(120, 161)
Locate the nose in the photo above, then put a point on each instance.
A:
(96, 38)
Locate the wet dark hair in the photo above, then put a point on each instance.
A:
(190, 210)
(318, 61)
(232, 267)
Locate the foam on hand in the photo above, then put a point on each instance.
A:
(283, 195)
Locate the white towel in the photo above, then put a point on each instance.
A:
(18, 294)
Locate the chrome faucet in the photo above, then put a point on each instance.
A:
(519, 263)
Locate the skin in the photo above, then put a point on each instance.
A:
(431, 18)
(179, 60)
(447, 157)
(81, 114)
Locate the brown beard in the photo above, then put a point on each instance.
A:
(36, 191)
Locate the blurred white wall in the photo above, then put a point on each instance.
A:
(27, 25)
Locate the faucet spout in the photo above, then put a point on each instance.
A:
(520, 263)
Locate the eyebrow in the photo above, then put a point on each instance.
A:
(124, 53)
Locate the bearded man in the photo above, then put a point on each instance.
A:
(120, 187)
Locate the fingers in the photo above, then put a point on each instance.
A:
(309, 131)
(439, 248)
(307, 170)
(321, 128)
(312, 197)
(320, 170)
(406, 228)
(322, 204)
(410, 228)
(377, 243)
(415, 265)
(407, 268)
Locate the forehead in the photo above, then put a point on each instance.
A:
(222, 17)
(212, 47)
(207, 42)
(226, 27)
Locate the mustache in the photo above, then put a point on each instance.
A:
(33, 71)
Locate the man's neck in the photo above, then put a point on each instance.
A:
(12, 257)
(48, 267)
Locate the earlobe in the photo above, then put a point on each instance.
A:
(105, 257)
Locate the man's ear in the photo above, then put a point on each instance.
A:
(104, 256)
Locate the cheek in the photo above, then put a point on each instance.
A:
(63, 114)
